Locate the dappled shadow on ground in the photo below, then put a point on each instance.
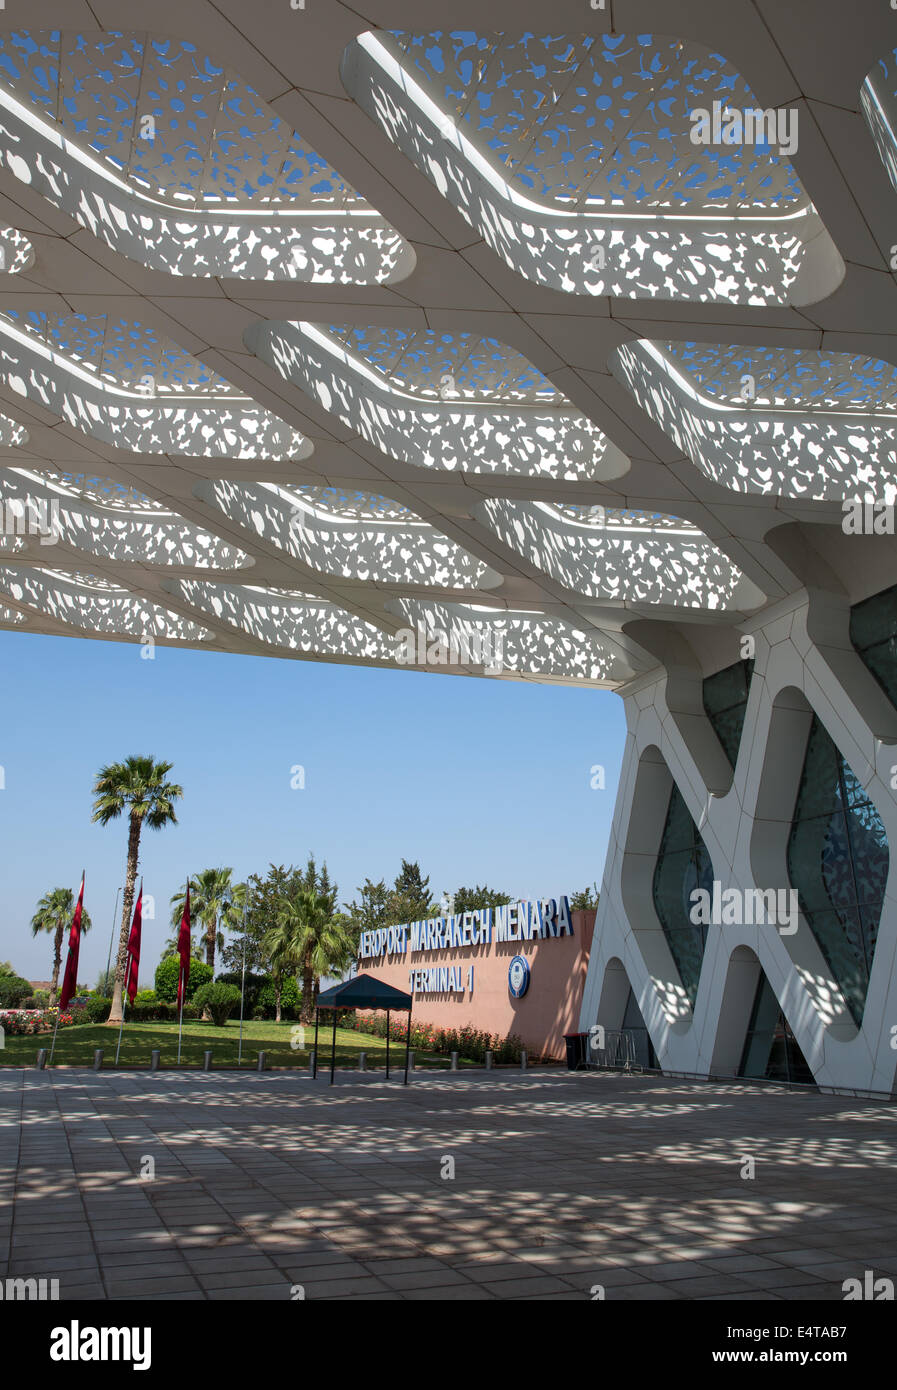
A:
(554, 1184)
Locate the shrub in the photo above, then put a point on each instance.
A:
(167, 972)
(253, 985)
(160, 1010)
(97, 1008)
(146, 996)
(220, 1000)
(13, 989)
(22, 1023)
(468, 1042)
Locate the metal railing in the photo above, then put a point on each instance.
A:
(618, 1052)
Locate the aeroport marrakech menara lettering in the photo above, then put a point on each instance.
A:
(522, 921)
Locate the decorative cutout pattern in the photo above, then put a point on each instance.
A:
(312, 626)
(818, 456)
(620, 562)
(214, 185)
(448, 366)
(536, 441)
(602, 120)
(388, 551)
(529, 644)
(118, 536)
(767, 256)
(111, 610)
(200, 427)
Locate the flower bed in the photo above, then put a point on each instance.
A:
(426, 1037)
(25, 1022)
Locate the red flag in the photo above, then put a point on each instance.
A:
(184, 950)
(134, 949)
(70, 979)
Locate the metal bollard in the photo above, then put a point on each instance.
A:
(411, 1061)
(362, 1061)
(98, 1059)
(454, 1065)
(42, 1059)
(312, 1058)
(207, 1061)
(523, 1059)
(261, 1062)
(488, 1060)
(155, 1058)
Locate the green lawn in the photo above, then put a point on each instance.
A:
(76, 1046)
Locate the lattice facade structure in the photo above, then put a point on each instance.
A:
(314, 336)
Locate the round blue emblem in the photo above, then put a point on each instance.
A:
(518, 977)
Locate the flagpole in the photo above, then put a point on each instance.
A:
(68, 958)
(120, 1030)
(242, 992)
(55, 1031)
(131, 962)
(184, 945)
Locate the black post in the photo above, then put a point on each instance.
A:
(407, 1045)
(387, 1044)
(314, 1068)
(333, 1048)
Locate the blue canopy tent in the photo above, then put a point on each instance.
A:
(362, 992)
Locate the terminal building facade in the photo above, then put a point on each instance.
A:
(516, 355)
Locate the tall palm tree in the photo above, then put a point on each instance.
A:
(282, 956)
(313, 938)
(216, 902)
(53, 913)
(136, 788)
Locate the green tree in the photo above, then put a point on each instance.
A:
(469, 899)
(262, 907)
(168, 972)
(318, 881)
(410, 899)
(218, 1000)
(370, 912)
(283, 956)
(54, 913)
(216, 902)
(585, 900)
(137, 788)
(310, 938)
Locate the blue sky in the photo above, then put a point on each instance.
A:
(480, 780)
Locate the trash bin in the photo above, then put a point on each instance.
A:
(577, 1050)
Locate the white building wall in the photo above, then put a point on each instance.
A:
(805, 663)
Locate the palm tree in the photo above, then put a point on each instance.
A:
(215, 902)
(54, 911)
(282, 956)
(310, 937)
(170, 947)
(137, 787)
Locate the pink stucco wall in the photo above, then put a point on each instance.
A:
(548, 1010)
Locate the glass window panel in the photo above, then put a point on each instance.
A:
(873, 631)
(725, 702)
(683, 864)
(838, 861)
(813, 863)
(820, 789)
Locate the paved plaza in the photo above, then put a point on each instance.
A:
(271, 1186)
